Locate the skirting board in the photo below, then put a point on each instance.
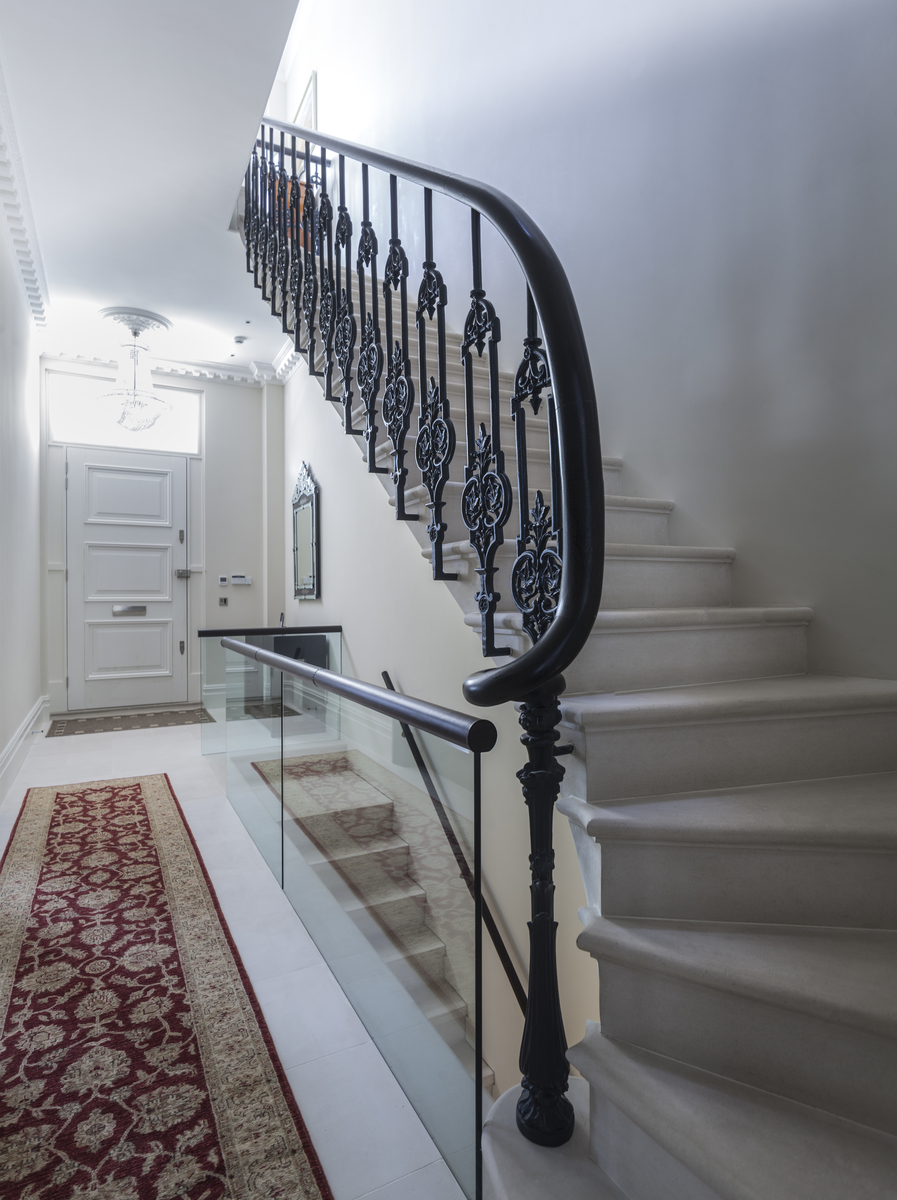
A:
(13, 754)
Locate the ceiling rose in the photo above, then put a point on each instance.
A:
(141, 404)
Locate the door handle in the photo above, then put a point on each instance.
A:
(129, 610)
(180, 573)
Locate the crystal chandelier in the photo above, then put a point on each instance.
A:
(141, 404)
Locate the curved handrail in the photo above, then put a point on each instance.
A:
(473, 733)
(579, 443)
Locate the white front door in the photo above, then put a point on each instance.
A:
(126, 529)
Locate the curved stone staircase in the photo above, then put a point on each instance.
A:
(736, 823)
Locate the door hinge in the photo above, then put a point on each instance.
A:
(182, 573)
(181, 536)
(66, 574)
(66, 682)
(182, 647)
(66, 483)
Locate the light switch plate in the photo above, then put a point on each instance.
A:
(222, 601)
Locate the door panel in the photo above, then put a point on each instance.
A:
(123, 572)
(127, 497)
(126, 522)
(127, 649)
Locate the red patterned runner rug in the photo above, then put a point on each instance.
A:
(135, 1062)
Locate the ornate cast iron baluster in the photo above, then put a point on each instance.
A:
(536, 574)
(295, 252)
(310, 279)
(278, 283)
(327, 310)
(370, 352)
(270, 194)
(544, 1114)
(435, 445)
(261, 242)
(398, 396)
(247, 216)
(344, 337)
(486, 499)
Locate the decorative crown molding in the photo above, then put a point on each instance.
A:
(305, 483)
(286, 362)
(19, 220)
(216, 372)
(262, 371)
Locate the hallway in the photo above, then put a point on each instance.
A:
(369, 1140)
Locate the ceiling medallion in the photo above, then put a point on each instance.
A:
(141, 404)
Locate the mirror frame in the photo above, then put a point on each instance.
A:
(305, 495)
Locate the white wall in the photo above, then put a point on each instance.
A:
(720, 182)
(234, 498)
(21, 690)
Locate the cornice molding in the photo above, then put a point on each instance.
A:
(286, 362)
(18, 217)
(215, 372)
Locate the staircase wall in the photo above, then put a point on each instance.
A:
(21, 690)
(720, 183)
(376, 584)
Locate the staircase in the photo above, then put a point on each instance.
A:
(736, 822)
(734, 815)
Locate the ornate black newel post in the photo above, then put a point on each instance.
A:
(544, 1114)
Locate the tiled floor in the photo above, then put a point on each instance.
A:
(369, 1139)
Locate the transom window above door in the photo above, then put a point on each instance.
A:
(81, 410)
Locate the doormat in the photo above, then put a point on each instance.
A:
(136, 1063)
(66, 726)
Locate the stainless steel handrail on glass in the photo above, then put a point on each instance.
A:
(321, 772)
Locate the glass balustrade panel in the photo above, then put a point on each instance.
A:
(378, 861)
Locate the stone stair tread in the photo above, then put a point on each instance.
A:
(850, 811)
(640, 502)
(387, 890)
(624, 550)
(743, 1143)
(609, 619)
(686, 553)
(614, 620)
(845, 976)
(743, 699)
(370, 848)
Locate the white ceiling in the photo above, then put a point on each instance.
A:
(134, 125)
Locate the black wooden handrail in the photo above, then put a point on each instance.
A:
(579, 446)
(472, 733)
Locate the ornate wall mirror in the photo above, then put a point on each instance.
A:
(306, 567)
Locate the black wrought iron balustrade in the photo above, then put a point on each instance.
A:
(355, 334)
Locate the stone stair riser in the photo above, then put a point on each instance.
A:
(664, 583)
(779, 885)
(639, 1166)
(643, 658)
(841, 1069)
(651, 760)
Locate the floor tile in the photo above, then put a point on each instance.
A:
(434, 1182)
(308, 1015)
(351, 1098)
(276, 946)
